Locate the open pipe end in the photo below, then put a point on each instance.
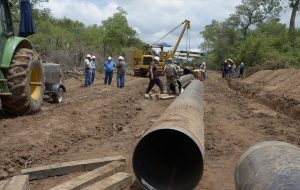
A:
(168, 159)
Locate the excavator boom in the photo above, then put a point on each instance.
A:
(185, 27)
(142, 58)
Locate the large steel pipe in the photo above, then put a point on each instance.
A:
(171, 155)
(184, 81)
(269, 165)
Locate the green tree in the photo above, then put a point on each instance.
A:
(253, 12)
(67, 41)
(117, 33)
(16, 5)
(221, 37)
(295, 5)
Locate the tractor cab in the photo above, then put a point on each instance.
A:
(21, 72)
(6, 26)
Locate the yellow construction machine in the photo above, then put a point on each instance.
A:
(142, 58)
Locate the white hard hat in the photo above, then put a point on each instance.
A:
(120, 58)
(93, 57)
(242, 63)
(203, 63)
(88, 56)
(109, 58)
(156, 58)
(170, 59)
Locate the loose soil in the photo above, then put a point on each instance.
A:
(105, 121)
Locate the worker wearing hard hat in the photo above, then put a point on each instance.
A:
(234, 70)
(121, 72)
(242, 69)
(93, 62)
(153, 76)
(203, 71)
(229, 68)
(109, 67)
(88, 70)
(171, 72)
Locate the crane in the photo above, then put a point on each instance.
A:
(142, 58)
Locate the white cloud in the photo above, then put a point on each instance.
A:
(84, 11)
(151, 18)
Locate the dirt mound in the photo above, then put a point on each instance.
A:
(278, 89)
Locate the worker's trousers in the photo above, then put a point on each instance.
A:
(156, 81)
(172, 81)
(120, 80)
(203, 76)
(88, 77)
(93, 75)
(241, 72)
(108, 77)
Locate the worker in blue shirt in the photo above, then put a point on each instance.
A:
(109, 67)
(93, 62)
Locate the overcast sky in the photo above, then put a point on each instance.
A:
(152, 18)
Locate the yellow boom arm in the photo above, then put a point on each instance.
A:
(185, 27)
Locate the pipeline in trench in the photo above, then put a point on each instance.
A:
(170, 155)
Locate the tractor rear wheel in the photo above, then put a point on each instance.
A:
(25, 78)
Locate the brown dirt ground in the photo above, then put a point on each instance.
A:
(105, 121)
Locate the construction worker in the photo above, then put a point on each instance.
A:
(88, 70)
(153, 76)
(121, 72)
(93, 62)
(224, 68)
(171, 72)
(203, 71)
(242, 69)
(234, 70)
(109, 67)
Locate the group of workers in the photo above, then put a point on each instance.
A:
(228, 69)
(201, 72)
(109, 67)
(172, 73)
(90, 69)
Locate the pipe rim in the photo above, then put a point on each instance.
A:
(261, 145)
(181, 130)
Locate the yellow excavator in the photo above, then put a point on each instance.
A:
(142, 58)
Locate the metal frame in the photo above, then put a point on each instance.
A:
(8, 44)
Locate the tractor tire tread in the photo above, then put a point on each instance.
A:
(20, 102)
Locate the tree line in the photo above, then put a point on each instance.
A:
(66, 41)
(254, 35)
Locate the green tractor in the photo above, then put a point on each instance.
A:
(21, 72)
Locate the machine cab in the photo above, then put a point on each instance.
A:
(6, 26)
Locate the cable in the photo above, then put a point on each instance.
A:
(168, 33)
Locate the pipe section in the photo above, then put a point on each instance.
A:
(184, 81)
(171, 155)
(269, 165)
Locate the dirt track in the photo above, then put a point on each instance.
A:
(104, 121)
